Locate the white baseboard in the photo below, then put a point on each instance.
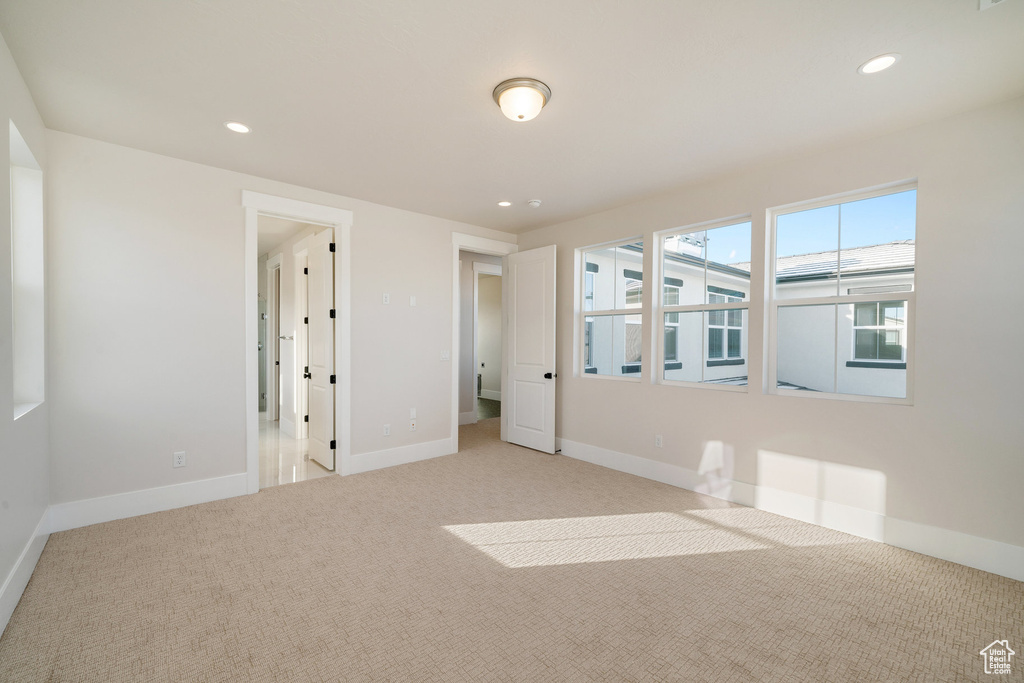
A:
(287, 427)
(78, 513)
(491, 394)
(981, 553)
(467, 418)
(973, 551)
(826, 513)
(365, 462)
(726, 489)
(16, 581)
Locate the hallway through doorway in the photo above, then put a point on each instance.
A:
(284, 460)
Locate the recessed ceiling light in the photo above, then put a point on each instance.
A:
(236, 126)
(504, 203)
(879, 63)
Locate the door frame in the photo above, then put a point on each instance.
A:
(479, 245)
(255, 205)
(478, 270)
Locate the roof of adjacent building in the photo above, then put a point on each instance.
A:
(890, 257)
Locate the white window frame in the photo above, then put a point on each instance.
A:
(660, 308)
(774, 304)
(579, 368)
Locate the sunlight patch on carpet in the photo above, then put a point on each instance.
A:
(609, 538)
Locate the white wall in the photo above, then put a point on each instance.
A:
(489, 335)
(149, 343)
(24, 443)
(467, 373)
(953, 459)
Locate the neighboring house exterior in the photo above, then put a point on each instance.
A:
(869, 358)
(862, 350)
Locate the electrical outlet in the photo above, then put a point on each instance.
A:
(387, 298)
(446, 355)
(657, 441)
(179, 459)
(412, 301)
(387, 430)
(412, 425)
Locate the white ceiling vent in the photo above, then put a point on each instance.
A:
(985, 4)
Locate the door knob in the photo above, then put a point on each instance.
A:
(549, 375)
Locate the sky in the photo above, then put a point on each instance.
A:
(728, 244)
(877, 220)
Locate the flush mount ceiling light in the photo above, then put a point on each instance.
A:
(879, 63)
(236, 126)
(521, 99)
(504, 203)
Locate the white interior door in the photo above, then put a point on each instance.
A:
(320, 292)
(529, 399)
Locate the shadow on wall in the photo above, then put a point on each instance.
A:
(716, 469)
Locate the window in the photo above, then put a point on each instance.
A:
(26, 275)
(842, 296)
(588, 305)
(611, 323)
(704, 302)
(588, 289)
(670, 297)
(878, 331)
(725, 327)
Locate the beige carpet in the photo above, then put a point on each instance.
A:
(496, 564)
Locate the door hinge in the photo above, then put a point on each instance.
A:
(332, 312)
(331, 246)
(334, 379)
(334, 444)
(305, 320)
(305, 419)
(305, 271)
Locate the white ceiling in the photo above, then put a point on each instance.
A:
(271, 231)
(390, 100)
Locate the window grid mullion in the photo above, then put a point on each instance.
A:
(712, 307)
(844, 299)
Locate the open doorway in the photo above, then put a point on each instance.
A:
(488, 253)
(284, 448)
(487, 339)
(297, 301)
(476, 367)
